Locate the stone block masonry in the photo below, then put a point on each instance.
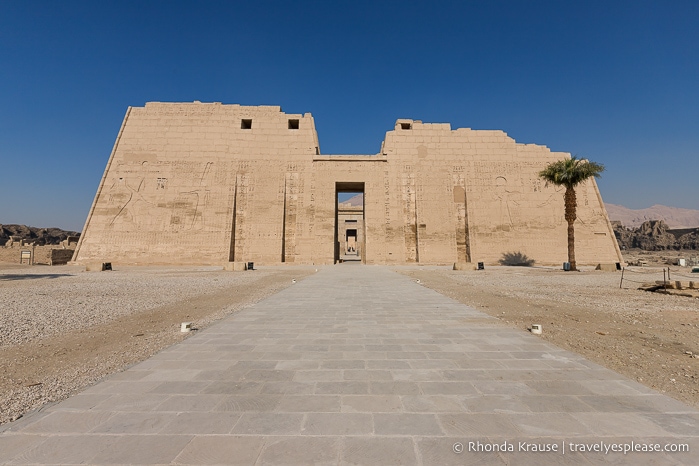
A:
(43, 255)
(206, 183)
(61, 256)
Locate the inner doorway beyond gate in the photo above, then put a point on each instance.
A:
(349, 222)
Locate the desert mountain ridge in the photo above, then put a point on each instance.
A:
(354, 201)
(674, 217)
(39, 236)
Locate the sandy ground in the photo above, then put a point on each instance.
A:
(646, 336)
(62, 329)
(662, 258)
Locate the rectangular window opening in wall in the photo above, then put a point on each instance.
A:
(406, 126)
(350, 221)
(245, 124)
(317, 151)
(293, 124)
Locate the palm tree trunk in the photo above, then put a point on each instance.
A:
(570, 216)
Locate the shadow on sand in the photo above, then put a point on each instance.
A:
(28, 276)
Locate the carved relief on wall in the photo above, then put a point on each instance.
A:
(506, 209)
(126, 197)
(590, 214)
(549, 212)
(140, 199)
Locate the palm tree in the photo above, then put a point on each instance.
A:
(570, 173)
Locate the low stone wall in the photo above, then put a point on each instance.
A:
(47, 255)
(61, 256)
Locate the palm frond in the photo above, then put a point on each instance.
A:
(570, 172)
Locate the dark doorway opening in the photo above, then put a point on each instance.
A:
(349, 222)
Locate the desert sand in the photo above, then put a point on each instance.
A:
(652, 338)
(63, 329)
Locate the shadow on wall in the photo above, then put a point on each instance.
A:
(516, 258)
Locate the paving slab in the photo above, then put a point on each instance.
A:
(359, 365)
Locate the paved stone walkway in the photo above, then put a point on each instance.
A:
(356, 365)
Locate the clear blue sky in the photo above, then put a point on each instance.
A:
(615, 82)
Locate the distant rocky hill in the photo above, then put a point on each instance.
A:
(40, 236)
(673, 217)
(655, 235)
(354, 201)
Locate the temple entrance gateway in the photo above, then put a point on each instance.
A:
(349, 222)
(208, 183)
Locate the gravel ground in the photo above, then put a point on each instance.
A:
(591, 289)
(62, 329)
(650, 337)
(40, 301)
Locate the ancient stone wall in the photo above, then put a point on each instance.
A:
(12, 254)
(497, 194)
(183, 177)
(61, 256)
(43, 255)
(201, 183)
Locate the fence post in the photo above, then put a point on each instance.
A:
(622, 276)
